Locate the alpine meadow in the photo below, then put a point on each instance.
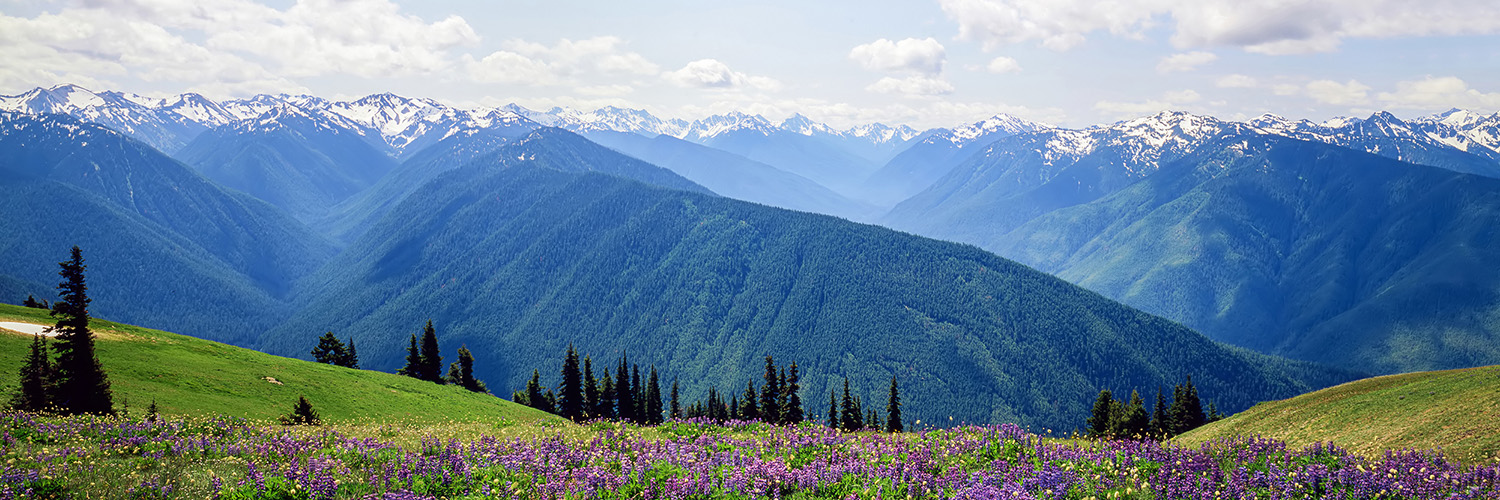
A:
(948, 249)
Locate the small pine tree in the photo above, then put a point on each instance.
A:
(1213, 413)
(36, 390)
(791, 411)
(413, 366)
(153, 413)
(852, 419)
(431, 358)
(534, 396)
(892, 409)
(770, 394)
(461, 372)
(653, 399)
(676, 407)
(351, 358)
(330, 350)
(1102, 415)
(624, 393)
(590, 389)
(1133, 421)
(302, 414)
(1160, 425)
(750, 410)
(570, 392)
(35, 304)
(82, 386)
(833, 409)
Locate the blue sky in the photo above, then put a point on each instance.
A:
(922, 63)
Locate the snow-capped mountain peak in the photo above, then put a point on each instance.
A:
(734, 121)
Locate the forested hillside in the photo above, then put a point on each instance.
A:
(518, 255)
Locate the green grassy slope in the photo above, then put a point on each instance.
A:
(1455, 410)
(190, 376)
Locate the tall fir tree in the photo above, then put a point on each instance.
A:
(413, 366)
(1134, 422)
(734, 408)
(590, 388)
(653, 398)
(624, 393)
(432, 357)
(1102, 415)
(36, 390)
(461, 372)
(851, 420)
(1186, 412)
(892, 409)
(750, 410)
(330, 350)
(1160, 425)
(570, 392)
(676, 405)
(791, 412)
(534, 396)
(833, 419)
(637, 395)
(82, 386)
(351, 357)
(607, 408)
(770, 394)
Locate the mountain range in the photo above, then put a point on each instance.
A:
(1358, 244)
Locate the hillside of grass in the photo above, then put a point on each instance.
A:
(190, 376)
(1455, 410)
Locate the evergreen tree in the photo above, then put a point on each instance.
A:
(637, 395)
(82, 386)
(1134, 422)
(431, 357)
(734, 408)
(1102, 415)
(413, 366)
(770, 411)
(851, 419)
(534, 396)
(36, 304)
(461, 372)
(330, 350)
(750, 410)
(302, 414)
(153, 414)
(1213, 413)
(1186, 411)
(833, 409)
(36, 390)
(624, 393)
(892, 408)
(872, 419)
(351, 358)
(607, 398)
(570, 392)
(676, 408)
(791, 412)
(653, 399)
(590, 389)
(1160, 425)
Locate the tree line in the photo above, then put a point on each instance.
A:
(1113, 417)
(624, 396)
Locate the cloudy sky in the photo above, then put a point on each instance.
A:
(920, 62)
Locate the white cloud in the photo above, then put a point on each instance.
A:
(915, 85)
(1169, 101)
(713, 74)
(1437, 94)
(1186, 61)
(1281, 27)
(1236, 81)
(1338, 94)
(530, 63)
(234, 46)
(1003, 65)
(924, 55)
